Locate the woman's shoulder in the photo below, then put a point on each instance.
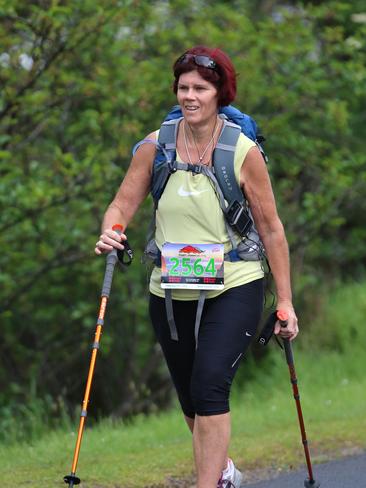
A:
(245, 141)
(242, 147)
(146, 147)
(152, 136)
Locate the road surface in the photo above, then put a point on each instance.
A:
(348, 472)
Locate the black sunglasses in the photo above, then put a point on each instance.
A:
(199, 59)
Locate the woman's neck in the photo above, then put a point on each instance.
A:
(201, 141)
(202, 132)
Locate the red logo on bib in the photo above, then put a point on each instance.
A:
(190, 250)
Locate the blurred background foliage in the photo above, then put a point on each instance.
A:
(80, 83)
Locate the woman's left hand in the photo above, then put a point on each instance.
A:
(292, 329)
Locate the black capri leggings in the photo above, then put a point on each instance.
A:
(203, 376)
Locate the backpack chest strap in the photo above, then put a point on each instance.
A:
(194, 168)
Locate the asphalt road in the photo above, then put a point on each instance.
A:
(345, 473)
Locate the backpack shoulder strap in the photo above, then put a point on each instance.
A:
(164, 158)
(168, 134)
(223, 161)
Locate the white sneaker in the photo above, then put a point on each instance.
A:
(234, 480)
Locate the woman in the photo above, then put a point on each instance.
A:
(189, 213)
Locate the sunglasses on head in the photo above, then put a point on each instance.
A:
(199, 60)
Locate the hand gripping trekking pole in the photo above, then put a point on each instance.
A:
(283, 319)
(112, 258)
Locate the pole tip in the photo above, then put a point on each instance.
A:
(72, 480)
(311, 483)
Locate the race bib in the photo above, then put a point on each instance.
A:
(193, 266)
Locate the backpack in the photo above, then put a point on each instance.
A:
(244, 238)
(238, 219)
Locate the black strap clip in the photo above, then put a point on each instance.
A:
(172, 166)
(268, 330)
(125, 256)
(238, 218)
(195, 168)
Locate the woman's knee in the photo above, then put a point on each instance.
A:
(210, 396)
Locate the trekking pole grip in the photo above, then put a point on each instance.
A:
(283, 320)
(110, 265)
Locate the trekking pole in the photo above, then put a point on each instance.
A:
(283, 320)
(112, 258)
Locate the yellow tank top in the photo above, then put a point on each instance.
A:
(189, 212)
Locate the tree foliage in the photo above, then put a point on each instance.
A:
(80, 84)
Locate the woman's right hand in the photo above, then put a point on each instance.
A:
(108, 240)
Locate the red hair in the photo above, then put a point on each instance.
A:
(223, 77)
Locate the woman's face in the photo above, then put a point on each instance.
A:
(196, 97)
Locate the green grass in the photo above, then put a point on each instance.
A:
(265, 431)
(149, 450)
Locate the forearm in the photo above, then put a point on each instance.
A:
(121, 211)
(277, 251)
(113, 215)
